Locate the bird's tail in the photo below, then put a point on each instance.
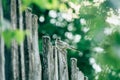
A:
(80, 53)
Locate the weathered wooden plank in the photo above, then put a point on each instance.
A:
(62, 65)
(75, 73)
(47, 59)
(51, 63)
(1, 12)
(28, 51)
(36, 58)
(55, 63)
(80, 75)
(20, 47)
(2, 58)
(14, 46)
(13, 14)
(73, 69)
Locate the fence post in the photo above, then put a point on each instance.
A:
(2, 57)
(62, 65)
(1, 13)
(75, 73)
(36, 58)
(73, 69)
(28, 46)
(2, 60)
(80, 75)
(47, 59)
(20, 47)
(14, 46)
(55, 63)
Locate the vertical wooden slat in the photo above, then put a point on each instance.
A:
(46, 49)
(80, 75)
(28, 51)
(62, 65)
(13, 14)
(55, 63)
(47, 64)
(21, 47)
(76, 74)
(51, 63)
(36, 57)
(14, 46)
(2, 58)
(1, 12)
(73, 69)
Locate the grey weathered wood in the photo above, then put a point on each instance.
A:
(29, 52)
(47, 59)
(14, 46)
(76, 74)
(80, 75)
(21, 47)
(51, 63)
(2, 59)
(27, 66)
(73, 69)
(13, 14)
(55, 63)
(1, 12)
(62, 65)
(36, 58)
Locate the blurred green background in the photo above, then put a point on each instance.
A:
(91, 26)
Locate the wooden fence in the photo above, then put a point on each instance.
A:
(23, 62)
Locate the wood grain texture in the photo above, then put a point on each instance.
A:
(62, 65)
(36, 58)
(20, 47)
(55, 63)
(14, 46)
(2, 57)
(2, 60)
(73, 69)
(47, 62)
(29, 47)
(76, 74)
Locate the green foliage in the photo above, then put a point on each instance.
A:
(82, 24)
(95, 16)
(108, 74)
(43, 4)
(10, 35)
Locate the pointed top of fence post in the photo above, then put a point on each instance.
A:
(74, 61)
(46, 37)
(29, 9)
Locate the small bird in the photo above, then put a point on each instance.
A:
(63, 46)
